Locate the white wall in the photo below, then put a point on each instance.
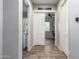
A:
(10, 29)
(24, 22)
(30, 26)
(44, 6)
(74, 29)
(25, 5)
(63, 39)
(1, 22)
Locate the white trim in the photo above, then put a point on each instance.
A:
(67, 53)
(63, 3)
(20, 3)
(20, 29)
(26, 3)
(56, 40)
(44, 11)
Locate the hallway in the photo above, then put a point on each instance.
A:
(17, 33)
(44, 52)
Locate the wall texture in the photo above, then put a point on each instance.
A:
(10, 29)
(63, 39)
(74, 29)
(30, 25)
(44, 6)
(24, 26)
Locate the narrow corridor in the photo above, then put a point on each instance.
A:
(44, 52)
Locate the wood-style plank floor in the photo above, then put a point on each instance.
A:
(49, 51)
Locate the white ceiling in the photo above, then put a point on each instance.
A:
(45, 2)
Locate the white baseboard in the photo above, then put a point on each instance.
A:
(67, 53)
(29, 48)
(38, 44)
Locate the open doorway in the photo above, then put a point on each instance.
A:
(24, 28)
(50, 27)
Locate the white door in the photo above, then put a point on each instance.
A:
(39, 28)
(64, 40)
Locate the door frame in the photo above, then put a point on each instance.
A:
(1, 28)
(20, 29)
(20, 17)
(27, 20)
(56, 30)
(56, 23)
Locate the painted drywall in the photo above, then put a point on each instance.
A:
(64, 42)
(57, 17)
(24, 34)
(45, 2)
(63, 39)
(10, 29)
(57, 40)
(24, 7)
(1, 28)
(30, 26)
(44, 6)
(24, 25)
(74, 29)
